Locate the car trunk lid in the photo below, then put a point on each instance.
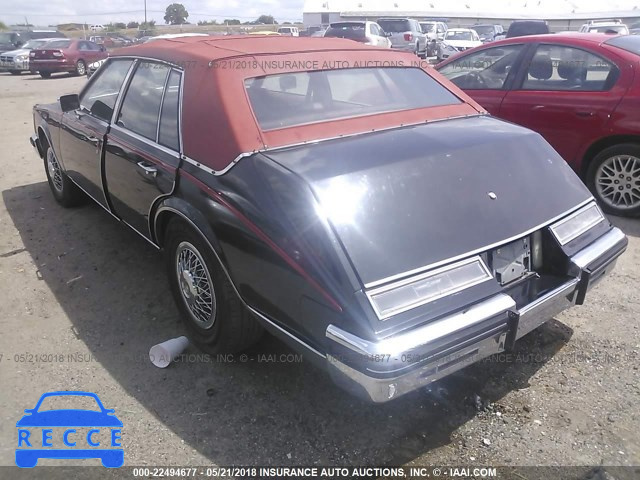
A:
(404, 199)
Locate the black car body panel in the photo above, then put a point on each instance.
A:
(398, 177)
(311, 235)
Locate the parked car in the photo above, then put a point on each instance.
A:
(17, 61)
(611, 27)
(434, 32)
(289, 31)
(489, 32)
(369, 33)
(457, 40)
(10, 41)
(93, 67)
(522, 28)
(580, 91)
(106, 42)
(97, 28)
(264, 32)
(304, 202)
(405, 34)
(68, 55)
(119, 40)
(309, 31)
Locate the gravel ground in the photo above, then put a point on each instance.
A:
(83, 299)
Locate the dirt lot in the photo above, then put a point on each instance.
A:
(82, 299)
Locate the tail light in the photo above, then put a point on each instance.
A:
(408, 37)
(58, 53)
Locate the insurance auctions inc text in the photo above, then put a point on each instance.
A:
(351, 472)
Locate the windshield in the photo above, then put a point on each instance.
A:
(428, 27)
(352, 31)
(395, 26)
(483, 29)
(630, 43)
(458, 35)
(613, 29)
(58, 44)
(289, 99)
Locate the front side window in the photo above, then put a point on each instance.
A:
(141, 105)
(484, 70)
(100, 97)
(556, 67)
(290, 99)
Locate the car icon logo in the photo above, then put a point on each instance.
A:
(69, 433)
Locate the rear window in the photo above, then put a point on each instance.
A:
(428, 27)
(290, 99)
(58, 44)
(527, 28)
(610, 29)
(352, 31)
(395, 26)
(630, 43)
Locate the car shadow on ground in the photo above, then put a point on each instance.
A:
(274, 410)
(630, 226)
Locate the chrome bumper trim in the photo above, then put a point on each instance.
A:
(597, 249)
(497, 324)
(423, 336)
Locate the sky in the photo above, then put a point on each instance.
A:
(52, 12)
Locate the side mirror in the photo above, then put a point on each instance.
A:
(70, 102)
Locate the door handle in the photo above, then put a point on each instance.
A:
(148, 169)
(94, 140)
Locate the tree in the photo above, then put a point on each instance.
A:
(176, 14)
(150, 25)
(267, 20)
(133, 25)
(119, 25)
(231, 21)
(2, 26)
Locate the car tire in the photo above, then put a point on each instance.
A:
(15, 72)
(66, 193)
(45, 74)
(613, 177)
(81, 68)
(217, 321)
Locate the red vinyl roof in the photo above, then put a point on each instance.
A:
(218, 124)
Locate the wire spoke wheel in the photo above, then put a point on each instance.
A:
(617, 182)
(54, 170)
(195, 285)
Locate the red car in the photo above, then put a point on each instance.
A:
(581, 92)
(66, 55)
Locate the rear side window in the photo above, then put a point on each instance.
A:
(630, 43)
(168, 132)
(289, 99)
(100, 97)
(395, 26)
(141, 104)
(556, 67)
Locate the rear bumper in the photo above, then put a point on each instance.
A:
(51, 66)
(388, 368)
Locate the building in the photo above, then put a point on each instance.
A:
(560, 14)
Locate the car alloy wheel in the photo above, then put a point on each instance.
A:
(54, 170)
(195, 285)
(617, 182)
(81, 68)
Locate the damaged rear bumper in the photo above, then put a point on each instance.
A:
(385, 369)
